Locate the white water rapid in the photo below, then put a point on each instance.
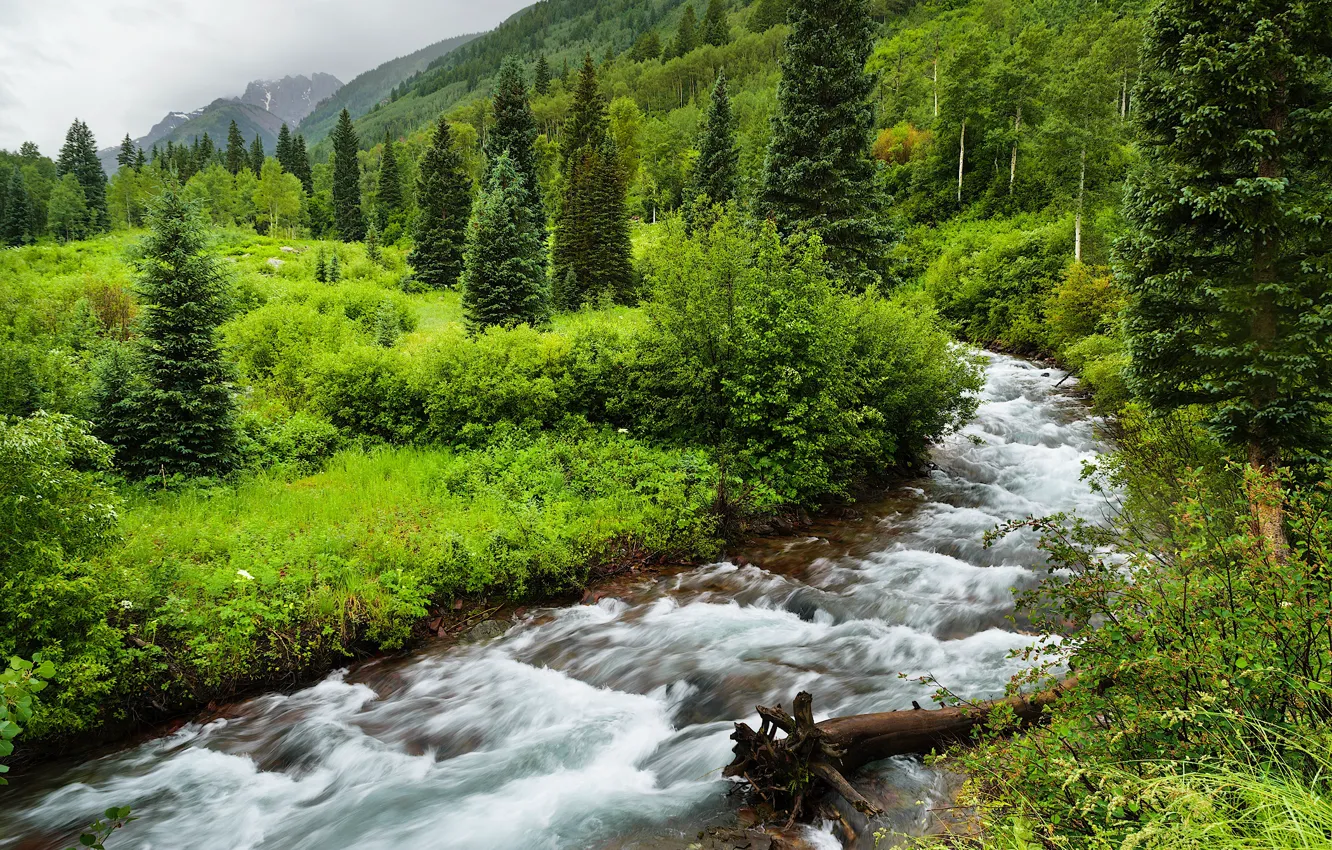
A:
(606, 726)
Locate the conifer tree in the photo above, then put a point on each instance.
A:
(140, 160)
(347, 215)
(686, 38)
(125, 157)
(301, 164)
(79, 157)
(592, 227)
(388, 200)
(372, 250)
(321, 266)
(444, 198)
(235, 157)
(647, 47)
(541, 82)
(717, 171)
(768, 14)
(716, 29)
(257, 155)
(515, 133)
(334, 267)
(183, 416)
(587, 121)
(504, 278)
(205, 154)
(16, 226)
(818, 176)
(1227, 266)
(284, 150)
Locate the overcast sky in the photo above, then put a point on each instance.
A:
(121, 65)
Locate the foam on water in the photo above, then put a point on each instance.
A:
(606, 725)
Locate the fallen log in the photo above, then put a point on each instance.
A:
(790, 774)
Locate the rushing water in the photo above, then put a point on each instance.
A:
(605, 726)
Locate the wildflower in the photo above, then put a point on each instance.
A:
(245, 575)
(125, 604)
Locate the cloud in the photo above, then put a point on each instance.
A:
(121, 66)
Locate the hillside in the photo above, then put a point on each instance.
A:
(371, 87)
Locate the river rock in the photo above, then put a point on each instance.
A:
(287, 249)
(275, 263)
(488, 630)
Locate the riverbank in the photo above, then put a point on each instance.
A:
(602, 723)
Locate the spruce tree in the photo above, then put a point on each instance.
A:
(372, 249)
(284, 150)
(717, 171)
(140, 160)
(686, 38)
(334, 267)
(716, 29)
(347, 215)
(504, 278)
(321, 266)
(444, 199)
(515, 133)
(16, 226)
(125, 157)
(1227, 265)
(592, 227)
(541, 81)
(257, 155)
(388, 199)
(768, 14)
(818, 176)
(79, 157)
(301, 164)
(184, 415)
(235, 156)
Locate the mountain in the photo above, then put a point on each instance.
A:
(291, 98)
(262, 110)
(372, 87)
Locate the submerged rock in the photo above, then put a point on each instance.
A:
(488, 630)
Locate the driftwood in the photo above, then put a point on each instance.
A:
(789, 774)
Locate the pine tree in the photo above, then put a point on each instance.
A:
(347, 215)
(388, 200)
(257, 155)
(206, 153)
(504, 279)
(819, 176)
(541, 82)
(515, 133)
(301, 164)
(716, 29)
(647, 47)
(16, 226)
(444, 198)
(717, 171)
(284, 152)
(79, 157)
(372, 250)
(321, 266)
(125, 157)
(184, 415)
(768, 14)
(587, 121)
(1227, 266)
(334, 267)
(140, 160)
(592, 227)
(686, 38)
(235, 156)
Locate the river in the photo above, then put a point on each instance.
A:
(606, 725)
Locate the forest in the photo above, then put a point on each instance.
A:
(624, 285)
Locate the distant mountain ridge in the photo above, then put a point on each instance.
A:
(291, 98)
(261, 111)
(374, 86)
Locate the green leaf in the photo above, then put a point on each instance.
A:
(87, 840)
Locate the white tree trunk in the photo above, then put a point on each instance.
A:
(1077, 221)
(1012, 166)
(961, 160)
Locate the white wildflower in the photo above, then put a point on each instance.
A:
(245, 575)
(125, 604)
